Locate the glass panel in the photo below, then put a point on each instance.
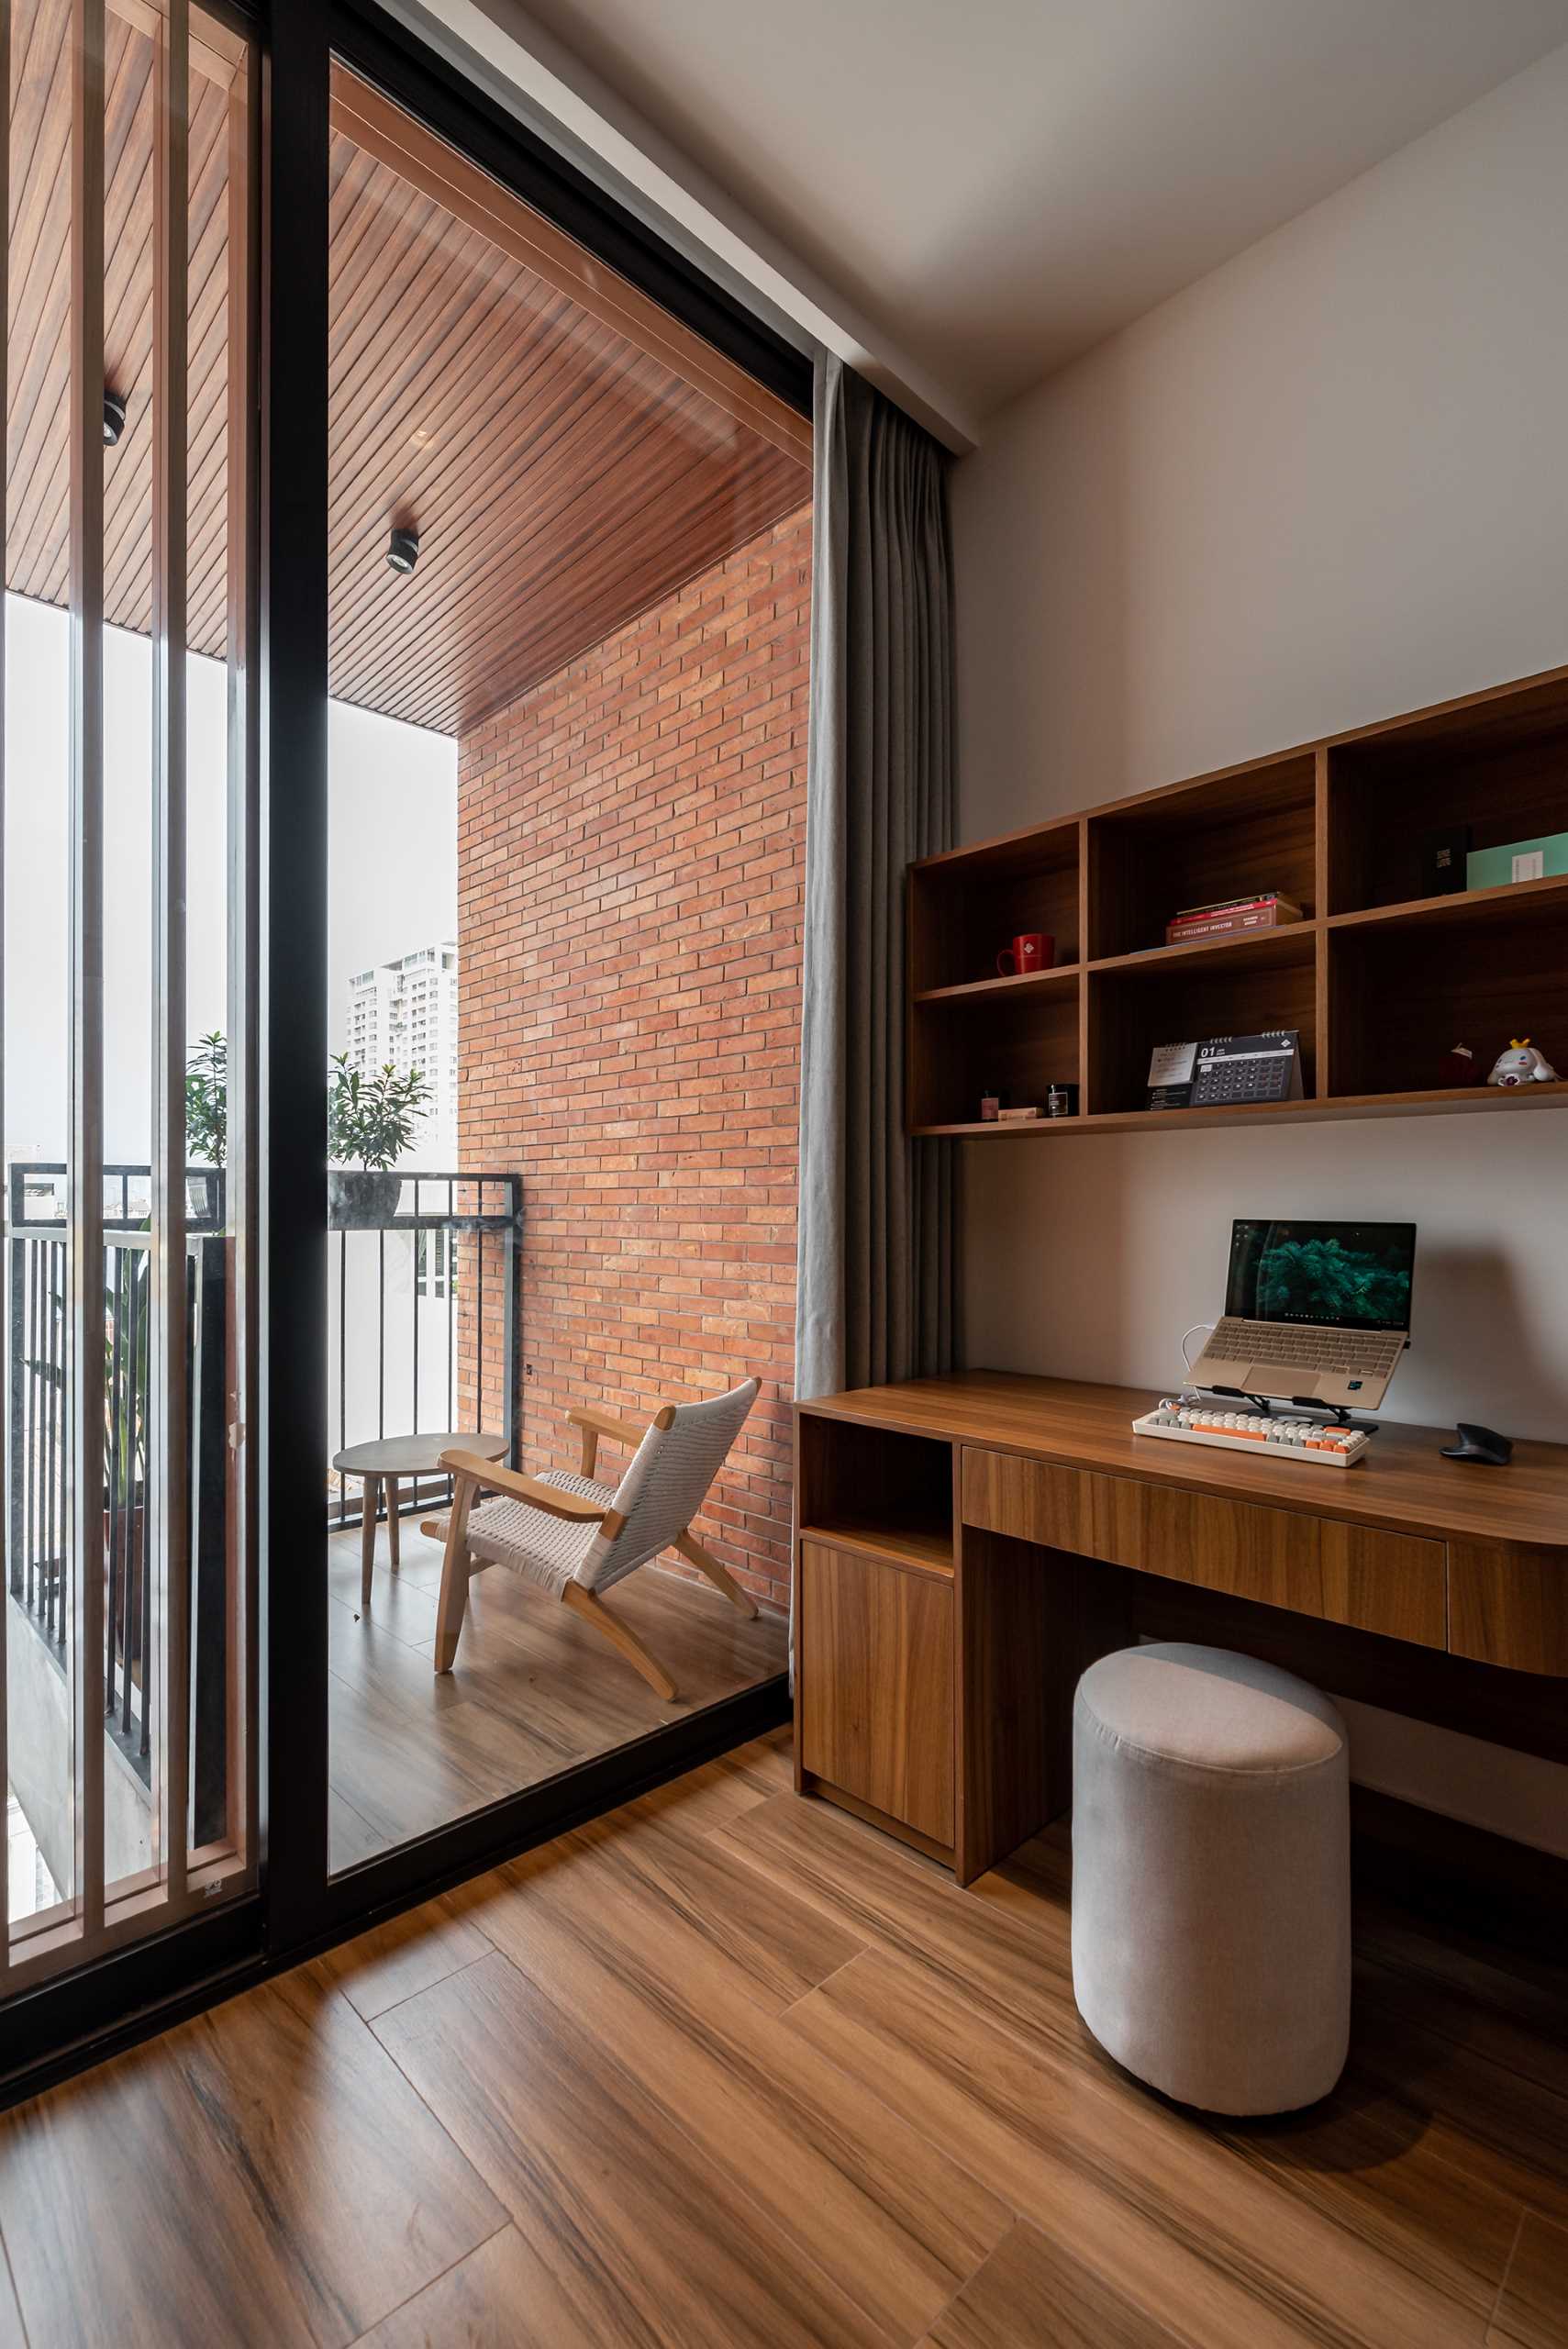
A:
(132, 1841)
(93, 1740)
(570, 564)
(41, 1652)
(216, 940)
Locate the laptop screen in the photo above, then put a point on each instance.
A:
(1346, 1275)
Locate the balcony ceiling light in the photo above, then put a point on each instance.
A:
(403, 550)
(114, 417)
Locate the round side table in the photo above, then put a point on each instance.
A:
(387, 1462)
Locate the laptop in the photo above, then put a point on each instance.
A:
(1314, 1312)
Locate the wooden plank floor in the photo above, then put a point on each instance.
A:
(534, 1689)
(727, 2070)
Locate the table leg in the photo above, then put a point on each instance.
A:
(367, 1539)
(392, 1529)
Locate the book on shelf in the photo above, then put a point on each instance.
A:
(1248, 898)
(1265, 912)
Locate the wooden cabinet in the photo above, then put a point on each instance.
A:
(1378, 979)
(1393, 1583)
(877, 1686)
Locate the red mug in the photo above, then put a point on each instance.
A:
(1032, 951)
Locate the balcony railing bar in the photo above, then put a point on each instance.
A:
(39, 1573)
(120, 1213)
(451, 1315)
(380, 1336)
(484, 1208)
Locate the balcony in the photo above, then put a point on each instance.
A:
(425, 1331)
(423, 1325)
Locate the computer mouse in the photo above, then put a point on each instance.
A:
(1479, 1443)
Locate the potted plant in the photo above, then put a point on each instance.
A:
(206, 1101)
(371, 1122)
(207, 1125)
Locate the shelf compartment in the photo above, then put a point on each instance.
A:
(1222, 837)
(1404, 990)
(1499, 764)
(1023, 1040)
(877, 1491)
(967, 905)
(1136, 1007)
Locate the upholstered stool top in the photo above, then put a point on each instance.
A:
(1209, 1709)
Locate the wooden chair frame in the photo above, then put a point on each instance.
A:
(470, 1472)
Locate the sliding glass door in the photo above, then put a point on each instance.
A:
(554, 514)
(406, 578)
(129, 942)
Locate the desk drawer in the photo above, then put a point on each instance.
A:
(1510, 1606)
(1391, 1583)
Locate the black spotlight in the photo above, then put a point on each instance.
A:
(113, 418)
(403, 550)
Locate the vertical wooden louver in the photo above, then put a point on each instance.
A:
(84, 1335)
(244, 897)
(169, 1548)
(127, 1647)
(6, 1273)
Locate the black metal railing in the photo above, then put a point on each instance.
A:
(38, 1554)
(422, 1290)
(403, 1362)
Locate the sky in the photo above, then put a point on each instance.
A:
(392, 878)
(391, 846)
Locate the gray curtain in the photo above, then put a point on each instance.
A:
(875, 1298)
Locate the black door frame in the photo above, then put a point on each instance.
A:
(300, 1906)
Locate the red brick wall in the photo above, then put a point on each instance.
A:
(630, 867)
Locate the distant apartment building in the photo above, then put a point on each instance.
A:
(403, 1013)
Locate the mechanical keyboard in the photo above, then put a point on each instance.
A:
(1281, 1438)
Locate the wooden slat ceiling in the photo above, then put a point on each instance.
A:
(568, 452)
(562, 477)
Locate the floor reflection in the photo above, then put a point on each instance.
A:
(533, 1690)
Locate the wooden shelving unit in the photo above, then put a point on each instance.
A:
(1379, 980)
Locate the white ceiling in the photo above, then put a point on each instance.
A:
(998, 185)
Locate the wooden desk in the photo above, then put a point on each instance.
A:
(966, 1546)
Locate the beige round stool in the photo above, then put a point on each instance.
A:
(1211, 1894)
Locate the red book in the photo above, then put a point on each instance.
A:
(1265, 899)
(1274, 915)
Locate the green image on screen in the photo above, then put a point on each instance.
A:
(1318, 1280)
(1350, 1275)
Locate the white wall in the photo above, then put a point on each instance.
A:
(1327, 483)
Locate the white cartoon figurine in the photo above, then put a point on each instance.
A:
(1522, 1064)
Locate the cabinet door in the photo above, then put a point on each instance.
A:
(877, 1686)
